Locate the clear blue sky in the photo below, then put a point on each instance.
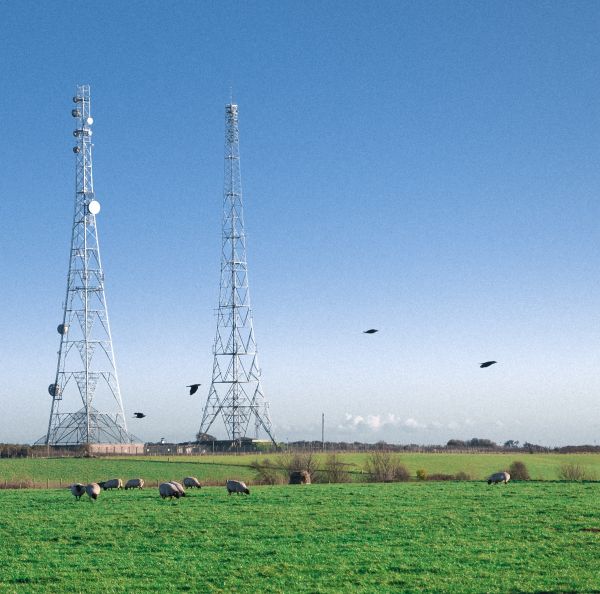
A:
(427, 168)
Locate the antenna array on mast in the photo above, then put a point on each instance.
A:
(86, 374)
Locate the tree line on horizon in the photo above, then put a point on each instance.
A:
(475, 444)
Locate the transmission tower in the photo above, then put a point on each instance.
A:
(86, 373)
(235, 391)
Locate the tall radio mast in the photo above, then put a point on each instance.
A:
(235, 391)
(86, 374)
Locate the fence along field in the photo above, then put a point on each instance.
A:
(394, 537)
(56, 472)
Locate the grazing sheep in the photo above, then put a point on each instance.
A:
(179, 487)
(93, 490)
(191, 481)
(299, 477)
(169, 490)
(237, 487)
(78, 490)
(111, 484)
(499, 477)
(137, 483)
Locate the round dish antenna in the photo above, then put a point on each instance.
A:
(89, 121)
(54, 390)
(94, 207)
(62, 328)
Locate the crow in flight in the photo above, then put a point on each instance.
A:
(138, 415)
(487, 364)
(193, 388)
(371, 331)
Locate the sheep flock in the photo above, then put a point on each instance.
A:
(168, 490)
(174, 489)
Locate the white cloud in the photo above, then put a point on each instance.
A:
(379, 422)
(414, 424)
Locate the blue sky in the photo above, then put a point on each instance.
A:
(426, 168)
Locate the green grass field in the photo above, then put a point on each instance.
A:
(400, 537)
(215, 469)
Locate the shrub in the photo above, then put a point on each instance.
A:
(421, 474)
(518, 471)
(299, 461)
(401, 473)
(462, 476)
(575, 472)
(267, 473)
(335, 469)
(382, 466)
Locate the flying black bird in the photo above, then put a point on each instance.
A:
(487, 364)
(138, 415)
(193, 388)
(371, 331)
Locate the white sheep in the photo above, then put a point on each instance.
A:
(93, 490)
(78, 490)
(499, 477)
(179, 487)
(136, 483)
(191, 481)
(111, 484)
(169, 490)
(236, 487)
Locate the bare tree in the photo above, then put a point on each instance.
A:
(382, 466)
(336, 470)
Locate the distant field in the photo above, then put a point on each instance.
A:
(215, 469)
(41, 471)
(400, 537)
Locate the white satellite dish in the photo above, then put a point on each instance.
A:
(89, 121)
(94, 207)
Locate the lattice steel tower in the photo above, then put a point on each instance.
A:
(235, 391)
(86, 373)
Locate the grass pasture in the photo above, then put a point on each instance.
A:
(215, 469)
(52, 471)
(395, 537)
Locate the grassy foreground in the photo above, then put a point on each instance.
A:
(402, 537)
(51, 472)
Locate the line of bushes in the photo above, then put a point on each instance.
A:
(380, 466)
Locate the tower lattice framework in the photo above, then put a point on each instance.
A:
(86, 375)
(235, 391)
